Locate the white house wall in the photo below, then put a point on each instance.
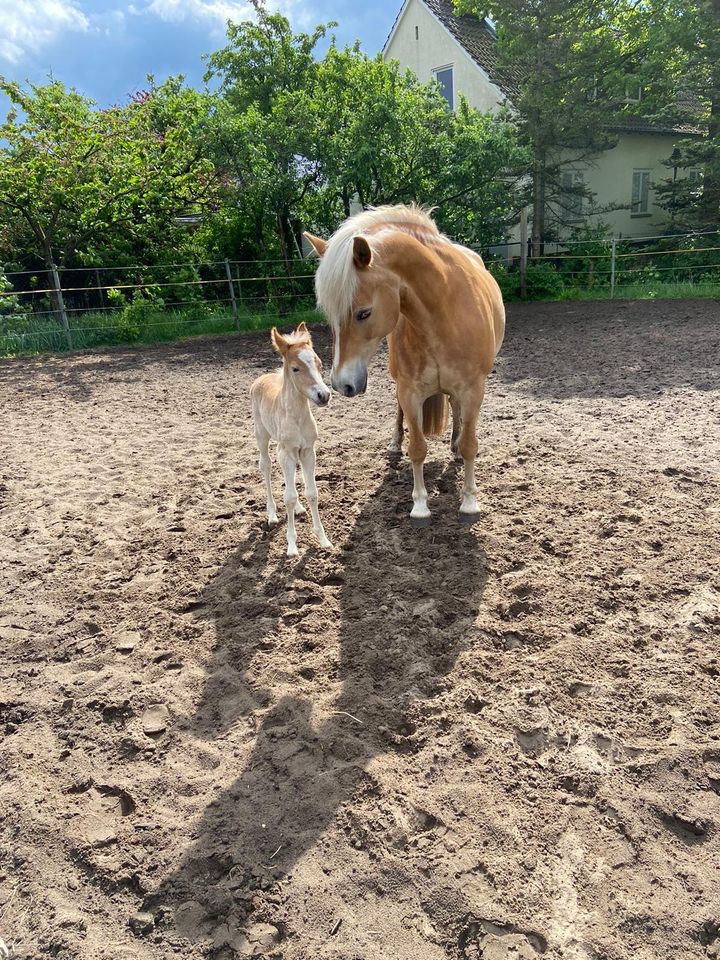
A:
(610, 178)
(435, 47)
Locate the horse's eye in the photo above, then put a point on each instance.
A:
(363, 314)
(296, 369)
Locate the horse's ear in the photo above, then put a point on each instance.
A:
(362, 254)
(303, 330)
(318, 244)
(279, 341)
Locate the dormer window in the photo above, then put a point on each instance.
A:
(444, 77)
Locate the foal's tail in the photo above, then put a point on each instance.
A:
(435, 415)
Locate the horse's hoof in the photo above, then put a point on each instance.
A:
(420, 521)
(394, 453)
(300, 510)
(272, 522)
(468, 519)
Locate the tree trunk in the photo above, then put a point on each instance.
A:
(710, 202)
(538, 215)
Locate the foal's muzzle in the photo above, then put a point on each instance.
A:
(350, 384)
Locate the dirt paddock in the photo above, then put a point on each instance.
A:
(489, 743)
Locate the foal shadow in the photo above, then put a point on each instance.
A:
(382, 620)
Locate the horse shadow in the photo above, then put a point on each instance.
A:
(382, 621)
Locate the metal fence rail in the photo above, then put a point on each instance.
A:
(54, 307)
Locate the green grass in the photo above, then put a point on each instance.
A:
(646, 291)
(149, 325)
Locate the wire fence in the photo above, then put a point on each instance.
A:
(79, 307)
(611, 266)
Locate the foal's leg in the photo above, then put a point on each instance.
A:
(395, 445)
(412, 406)
(468, 447)
(290, 496)
(456, 424)
(263, 442)
(307, 459)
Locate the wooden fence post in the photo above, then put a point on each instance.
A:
(61, 306)
(612, 268)
(523, 253)
(236, 318)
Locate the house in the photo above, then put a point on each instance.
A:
(460, 54)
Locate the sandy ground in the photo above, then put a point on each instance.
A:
(489, 743)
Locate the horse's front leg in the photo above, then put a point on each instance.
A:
(412, 407)
(395, 445)
(467, 447)
(307, 460)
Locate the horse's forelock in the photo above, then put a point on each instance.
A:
(336, 280)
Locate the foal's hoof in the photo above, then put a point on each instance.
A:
(273, 522)
(300, 510)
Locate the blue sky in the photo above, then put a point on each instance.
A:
(105, 48)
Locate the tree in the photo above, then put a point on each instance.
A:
(565, 63)
(681, 73)
(384, 137)
(74, 180)
(301, 138)
(263, 121)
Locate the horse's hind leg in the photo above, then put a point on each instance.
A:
(456, 425)
(395, 445)
(307, 460)
(263, 442)
(468, 447)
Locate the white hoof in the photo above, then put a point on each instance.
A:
(469, 505)
(273, 521)
(299, 509)
(292, 551)
(325, 543)
(420, 511)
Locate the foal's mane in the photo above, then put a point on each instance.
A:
(336, 278)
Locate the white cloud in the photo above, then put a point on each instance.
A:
(29, 25)
(216, 11)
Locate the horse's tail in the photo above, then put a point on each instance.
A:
(435, 415)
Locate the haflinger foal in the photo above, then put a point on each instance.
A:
(389, 272)
(281, 412)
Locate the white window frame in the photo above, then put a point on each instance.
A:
(630, 84)
(568, 215)
(451, 67)
(636, 206)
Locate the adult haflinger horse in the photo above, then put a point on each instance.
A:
(389, 272)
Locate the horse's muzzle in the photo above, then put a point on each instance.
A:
(350, 385)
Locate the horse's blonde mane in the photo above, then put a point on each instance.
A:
(336, 278)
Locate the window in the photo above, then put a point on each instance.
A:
(640, 193)
(417, 32)
(444, 76)
(633, 91)
(571, 197)
(695, 174)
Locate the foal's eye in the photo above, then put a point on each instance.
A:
(363, 314)
(296, 369)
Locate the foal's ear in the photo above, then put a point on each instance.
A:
(303, 330)
(319, 245)
(279, 341)
(362, 254)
